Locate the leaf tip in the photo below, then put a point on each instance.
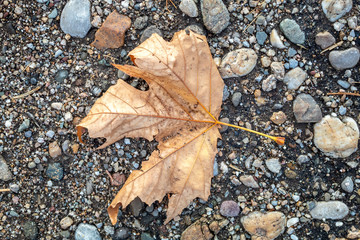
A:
(80, 130)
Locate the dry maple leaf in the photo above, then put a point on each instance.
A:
(111, 33)
(180, 110)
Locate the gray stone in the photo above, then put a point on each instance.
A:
(269, 83)
(344, 84)
(141, 22)
(24, 125)
(273, 165)
(14, 188)
(121, 233)
(336, 138)
(229, 209)
(238, 63)
(347, 185)
(61, 75)
(196, 29)
(136, 206)
(236, 98)
(215, 15)
(53, 13)
(295, 78)
(306, 110)
(302, 159)
(75, 18)
(249, 181)
(324, 39)
(5, 173)
(329, 210)
(30, 230)
(146, 236)
(150, 31)
(55, 171)
(261, 37)
(335, 9)
(278, 70)
(189, 8)
(292, 31)
(344, 59)
(87, 232)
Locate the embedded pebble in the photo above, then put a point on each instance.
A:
(55, 171)
(236, 98)
(269, 83)
(121, 233)
(238, 63)
(229, 209)
(189, 8)
(347, 185)
(75, 18)
(344, 59)
(335, 9)
(215, 15)
(264, 225)
(329, 210)
(336, 138)
(150, 31)
(87, 232)
(278, 117)
(302, 159)
(292, 31)
(292, 221)
(66, 222)
(306, 110)
(54, 150)
(275, 40)
(261, 37)
(294, 78)
(278, 70)
(5, 173)
(56, 105)
(249, 181)
(273, 165)
(324, 39)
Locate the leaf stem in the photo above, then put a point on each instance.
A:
(5, 190)
(278, 140)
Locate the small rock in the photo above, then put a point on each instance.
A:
(189, 8)
(141, 22)
(54, 150)
(306, 110)
(236, 98)
(266, 226)
(53, 14)
(275, 40)
(66, 222)
(31, 165)
(229, 209)
(136, 206)
(278, 117)
(87, 232)
(273, 165)
(335, 9)
(109, 230)
(292, 221)
(344, 59)
(269, 83)
(61, 75)
(196, 29)
(348, 185)
(149, 31)
(290, 174)
(5, 173)
(265, 61)
(193, 232)
(238, 63)
(96, 22)
(324, 39)
(30, 230)
(329, 210)
(75, 18)
(302, 159)
(146, 236)
(56, 105)
(55, 171)
(352, 22)
(121, 233)
(24, 125)
(336, 138)
(68, 117)
(261, 37)
(215, 15)
(292, 31)
(14, 188)
(294, 78)
(278, 70)
(249, 181)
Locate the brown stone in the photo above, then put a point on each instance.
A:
(54, 150)
(278, 117)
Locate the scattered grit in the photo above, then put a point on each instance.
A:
(279, 60)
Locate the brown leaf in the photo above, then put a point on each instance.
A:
(179, 109)
(111, 33)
